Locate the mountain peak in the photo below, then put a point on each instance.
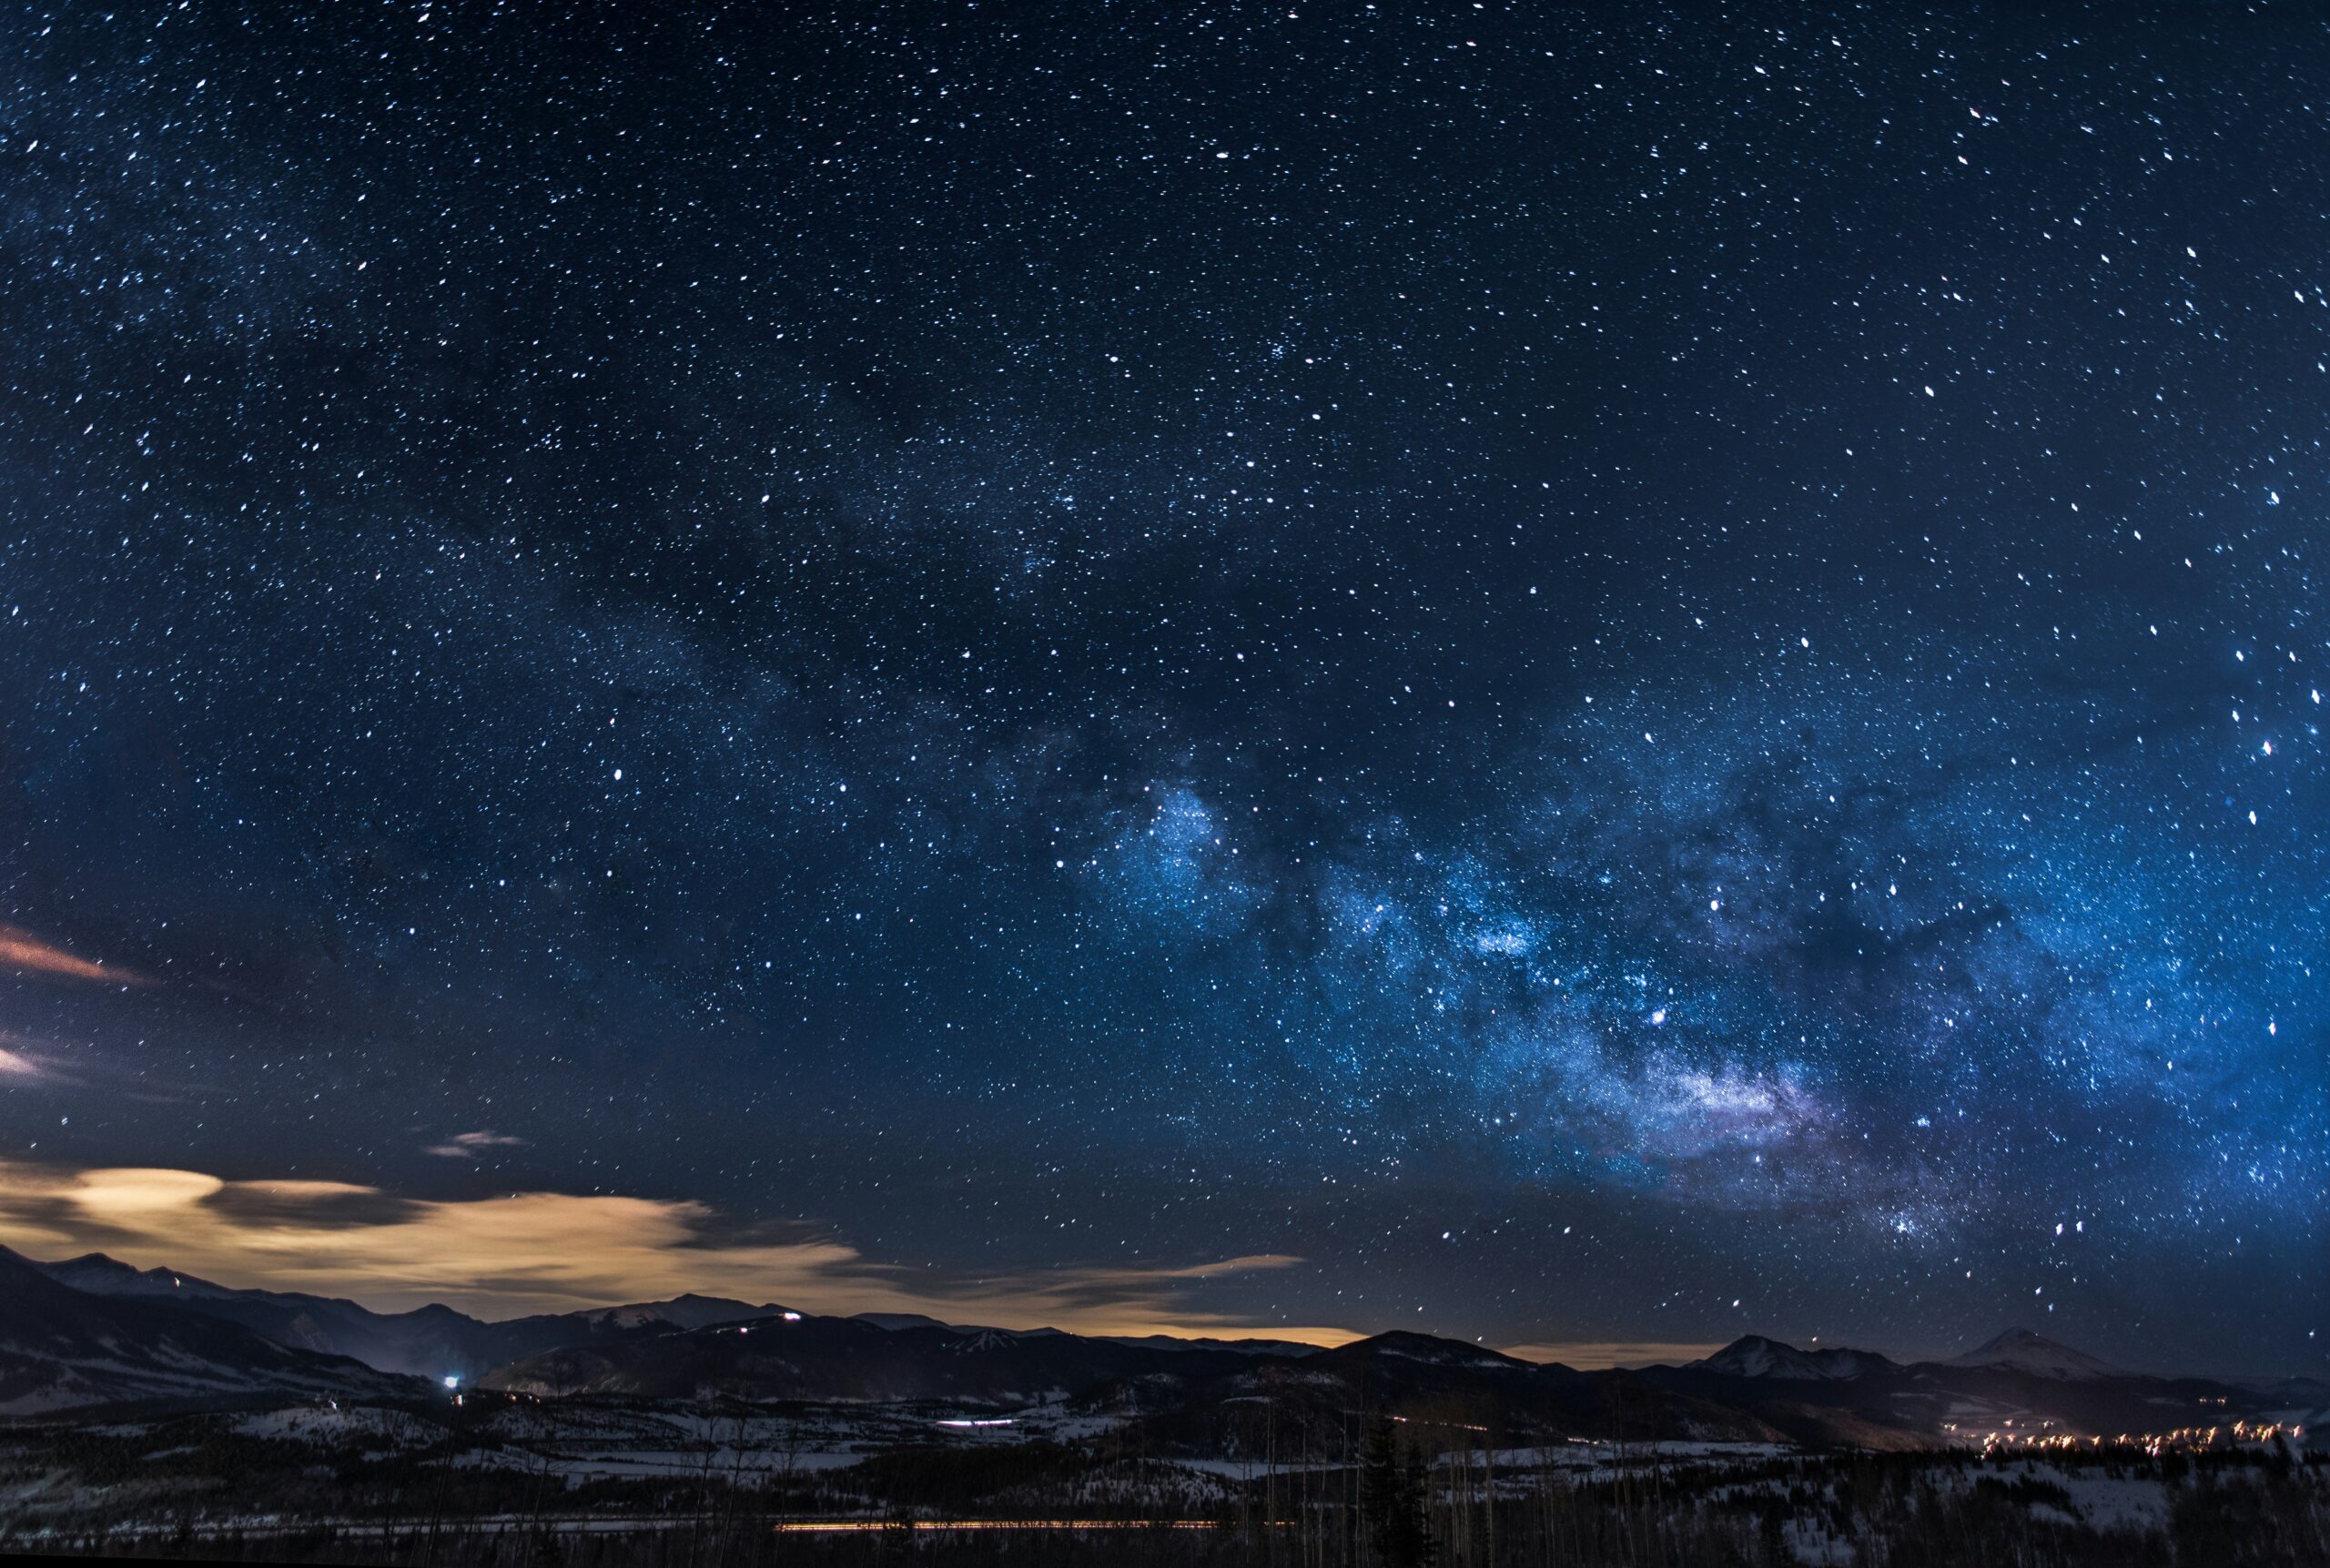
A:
(686, 1311)
(109, 1276)
(1754, 1355)
(95, 1263)
(1405, 1344)
(2017, 1350)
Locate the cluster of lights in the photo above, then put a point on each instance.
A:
(2155, 1443)
(747, 1328)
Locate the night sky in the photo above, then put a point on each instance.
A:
(1590, 676)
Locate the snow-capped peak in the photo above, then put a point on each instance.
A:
(1754, 1355)
(2020, 1350)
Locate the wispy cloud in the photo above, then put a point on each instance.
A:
(24, 1061)
(555, 1251)
(24, 951)
(467, 1144)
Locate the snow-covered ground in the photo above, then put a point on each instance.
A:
(2098, 1499)
(605, 1458)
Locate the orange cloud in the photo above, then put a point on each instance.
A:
(22, 950)
(555, 1251)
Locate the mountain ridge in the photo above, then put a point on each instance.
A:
(160, 1334)
(62, 1349)
(433, 1340)
(1755, 1356)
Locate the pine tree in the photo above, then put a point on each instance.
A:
(1392, 1498)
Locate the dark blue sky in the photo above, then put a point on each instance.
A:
(1577, 663)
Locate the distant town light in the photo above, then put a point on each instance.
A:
(453, 1380)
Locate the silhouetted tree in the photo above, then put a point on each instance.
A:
(1392, 1497)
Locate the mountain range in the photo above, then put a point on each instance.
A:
(62, 1349)
(2019, 1383)
(431, 1342)
(93, 1332)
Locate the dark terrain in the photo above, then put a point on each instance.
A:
(154, 1413)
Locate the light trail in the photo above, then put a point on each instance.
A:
(906, 1526)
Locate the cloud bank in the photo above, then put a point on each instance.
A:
(556, 1251)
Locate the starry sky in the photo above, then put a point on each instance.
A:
(1592, 676)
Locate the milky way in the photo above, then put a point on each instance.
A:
(1614, 674)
